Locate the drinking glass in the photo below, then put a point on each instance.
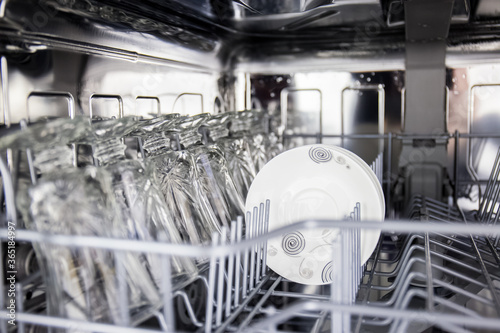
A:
(105, 137)
(151, 133)
(237, 152)
(146, 217)
(179, 182)
(263, 141)
(82, 283)
(216, 181)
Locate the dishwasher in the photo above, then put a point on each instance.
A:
(126, 123)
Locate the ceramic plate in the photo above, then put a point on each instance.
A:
(315, 182)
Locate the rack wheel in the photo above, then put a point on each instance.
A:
(26, 261)
(196, 293)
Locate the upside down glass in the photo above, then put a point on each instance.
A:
(146, 217)
(83, 282)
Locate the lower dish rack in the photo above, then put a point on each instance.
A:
(425, 278)
(438, 272)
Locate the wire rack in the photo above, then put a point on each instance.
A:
(440, 270)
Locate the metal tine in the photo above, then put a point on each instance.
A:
(258, 230)
(497, 216)
(489, 187)
(355, 268)
(406, 277)
(266, 229)
(140, 144)
(248, 223)
(418, 201)
(358, 258)
(3, 323)
(19, 306)
(29, 155)
(438, 208)
(239, 232)
(346, 277)
(319, 322)
(211, 287)
(442, 301)
(166, 283)
(357, 265)
(402, 256)
(336, 287)
(220, 281)
(11, 216)
(493, 202)
(409, 243)
(161, 321)
(352, 262)
(258, 307)
(189, 308)
(230, 272)
(252, 248)
(428, 272)
(420, 293)
(368, 284)
(495, 297)
(403, 269)
(381, 168)
(406, 301)
(122, 288)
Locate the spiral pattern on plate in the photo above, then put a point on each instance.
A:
(293, 243)
(320, 154)
(327, 273)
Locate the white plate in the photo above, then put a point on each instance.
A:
(315, 182)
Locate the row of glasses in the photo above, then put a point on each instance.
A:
(116, 199)
(249, 143)
(144, 211)
(142, 206)
(237, 151)
(204, 165)
(186, 178)
(193, 177)
(258, 129)
(57, 198)
(180, 183)
(228, 150)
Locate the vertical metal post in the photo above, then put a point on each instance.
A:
(266, 228)
(166, 283)
(336, 284)
(4, 84)
(3, 305)
(230, 272)
(248, 225)
(122, 288)
(258, 232)
(252, 248)
(19, 306)
(239, 231)
(211, 286)
(455, 166)
(220, 281)
(389, 171)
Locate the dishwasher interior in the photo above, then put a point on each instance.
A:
(410, 86)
